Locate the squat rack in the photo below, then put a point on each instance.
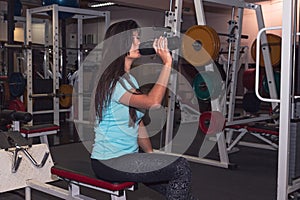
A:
(80, 15)
(216, 104)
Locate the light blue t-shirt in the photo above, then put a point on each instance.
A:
(113, 136)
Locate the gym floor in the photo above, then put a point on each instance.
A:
(253, 179)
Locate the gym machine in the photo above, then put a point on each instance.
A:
(219, 104)
(30, 166)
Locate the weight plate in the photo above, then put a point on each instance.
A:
(200, 45)
(274, 45)
(17, 84)
(277, 83)
(207, 85)
(65, 95)
(211, 122)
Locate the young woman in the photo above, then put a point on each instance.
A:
(120, 132)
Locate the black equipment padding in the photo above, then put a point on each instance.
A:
(12, 115)
(251, 103)
(294, 151)
(12, 139)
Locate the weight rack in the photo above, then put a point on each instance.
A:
(80, 15)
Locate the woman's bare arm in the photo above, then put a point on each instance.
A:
(156, 94)
(143, 139)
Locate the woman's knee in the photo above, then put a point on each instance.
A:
(183, 167)
(184, 162)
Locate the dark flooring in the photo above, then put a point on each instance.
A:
(254, 178)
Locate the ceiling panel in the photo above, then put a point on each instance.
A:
(188, 5)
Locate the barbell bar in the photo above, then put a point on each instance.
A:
(64, 93)
(35, 46)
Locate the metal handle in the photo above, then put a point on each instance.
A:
(17, 159)
(39, 165)
(16, 162)
(257, 65)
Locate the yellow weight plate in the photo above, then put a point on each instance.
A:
(200, 45)
(274, 45)
(65, 95)
(217, 42)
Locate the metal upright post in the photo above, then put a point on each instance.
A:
(235, 65)
(10, 36)
(80, 75)
(107, 19)
(198, 4)
(55, 67)
(29, 62)
(46, 54)
(175, 28)
(285, 98)
(266, 56)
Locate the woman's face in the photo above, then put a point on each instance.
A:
(134, 50)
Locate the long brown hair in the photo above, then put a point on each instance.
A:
(114, 52)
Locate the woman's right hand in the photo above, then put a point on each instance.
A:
(161, 47)
(155, 96)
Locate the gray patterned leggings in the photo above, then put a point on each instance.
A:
(169, 175)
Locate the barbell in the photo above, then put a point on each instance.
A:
(64, 93)
(41, 47)
(17, 88)
(200, 45)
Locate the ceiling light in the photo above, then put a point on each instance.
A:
(97, 5)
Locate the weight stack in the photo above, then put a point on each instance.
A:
(294, 159)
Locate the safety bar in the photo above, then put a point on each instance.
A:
(257, 65)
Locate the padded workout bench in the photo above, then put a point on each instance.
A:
(257, 130)
(19, 117)
(73, 165)
(42, 131)
(76, 179)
